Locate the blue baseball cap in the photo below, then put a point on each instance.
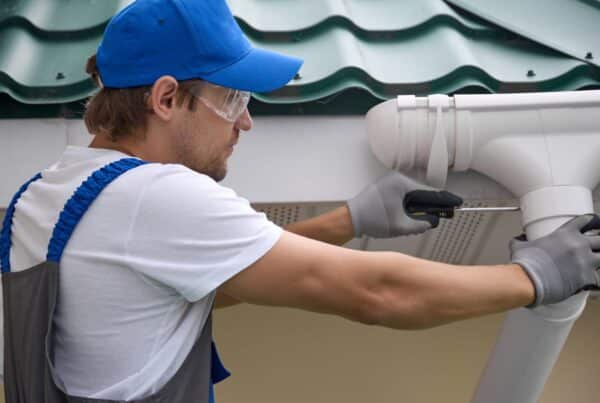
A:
(186, 39)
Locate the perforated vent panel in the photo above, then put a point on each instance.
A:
(284, 214)
(281, 214)
(460, 239)
(456, 235)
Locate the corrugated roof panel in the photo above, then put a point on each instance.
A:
(39, 70)
(369, 16)
(356, 53)
(441, 60)
(60, 16)
(569, 26)
(44, 46)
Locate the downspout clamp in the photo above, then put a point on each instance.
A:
(544, 148)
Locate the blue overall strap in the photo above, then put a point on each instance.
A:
(7, 226)
(81, 200)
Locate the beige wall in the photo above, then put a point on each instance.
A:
(280, 355)
(288, 356)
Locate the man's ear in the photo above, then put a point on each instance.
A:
(163, 97)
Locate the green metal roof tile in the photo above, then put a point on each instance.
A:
(265, 18)
(44, 46)
(35, 69)
(569, 26)
(60, 16)
(356, 52)
(441, 60)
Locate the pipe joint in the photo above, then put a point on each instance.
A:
(542, 207)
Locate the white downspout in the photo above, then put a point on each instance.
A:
(544, 148)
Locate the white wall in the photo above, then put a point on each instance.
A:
(28, 146)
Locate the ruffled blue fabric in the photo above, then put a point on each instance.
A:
(81, 200)
(5, 243)
(218, 372)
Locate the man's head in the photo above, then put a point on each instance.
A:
(175, 78)
(192, 122)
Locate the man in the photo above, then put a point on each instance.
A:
(148, 240)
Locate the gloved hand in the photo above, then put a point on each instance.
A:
(379, 209)
(563, 262)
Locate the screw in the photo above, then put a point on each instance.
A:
(297, 76)
(530, 73)
(589, 55)
(60, 76)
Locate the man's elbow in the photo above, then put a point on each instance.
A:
(408, 312)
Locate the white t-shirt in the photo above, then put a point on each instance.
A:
(141, 269)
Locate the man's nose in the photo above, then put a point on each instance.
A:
(244, 122)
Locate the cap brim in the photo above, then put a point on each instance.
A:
(259, 70)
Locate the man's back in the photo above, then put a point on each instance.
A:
(138, 276)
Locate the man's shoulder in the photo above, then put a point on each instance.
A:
(171, 175)
(177, 186)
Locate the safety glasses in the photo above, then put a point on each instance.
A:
(225, 102)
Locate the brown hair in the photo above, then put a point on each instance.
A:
(121, 112)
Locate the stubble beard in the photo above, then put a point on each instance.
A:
(213, 166)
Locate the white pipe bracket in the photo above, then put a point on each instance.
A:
(437, 166)
(555, 202)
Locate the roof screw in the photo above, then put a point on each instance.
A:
(297, 76)
(589, 55)
(530, 73)
(60, 76)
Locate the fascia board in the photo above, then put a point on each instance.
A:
(320, 160)
(283, 159)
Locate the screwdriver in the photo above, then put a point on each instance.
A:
(448, 212)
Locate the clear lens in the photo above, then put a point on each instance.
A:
(225, 102)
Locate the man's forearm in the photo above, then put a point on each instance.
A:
(437, 293)
(333, 227)
(379, 288)
(442, 293)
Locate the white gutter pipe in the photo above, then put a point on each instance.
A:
(543, 147)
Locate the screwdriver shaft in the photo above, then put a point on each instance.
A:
(486, 209)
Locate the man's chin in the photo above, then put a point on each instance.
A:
(217, 174)
(220, 175)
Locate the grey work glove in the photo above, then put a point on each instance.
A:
(379, 210)
(563, 262)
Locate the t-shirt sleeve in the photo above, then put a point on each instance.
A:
(192, 234)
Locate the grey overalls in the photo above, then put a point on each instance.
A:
(29, 302)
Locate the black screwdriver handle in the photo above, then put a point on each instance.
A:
(431, 205)
(419, 210)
